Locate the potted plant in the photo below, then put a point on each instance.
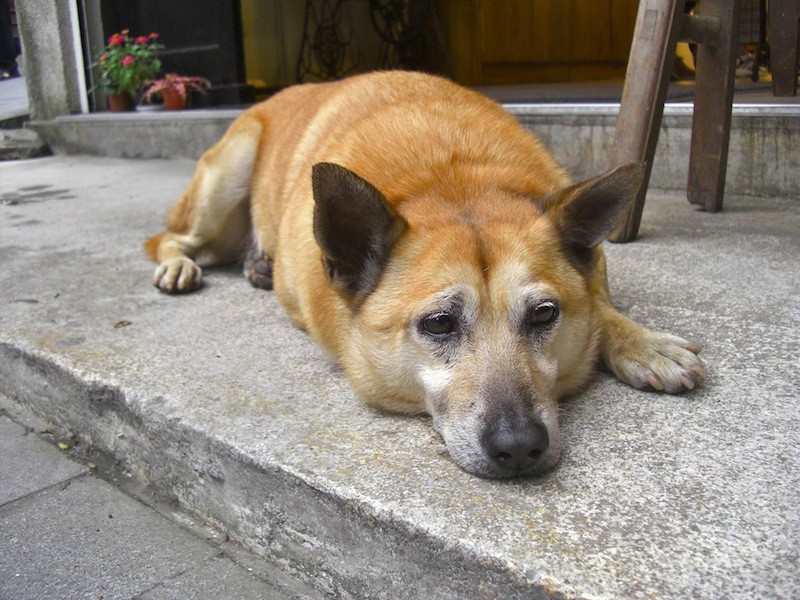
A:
(174, 89)
(126, 64)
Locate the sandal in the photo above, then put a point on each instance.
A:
(6, 74)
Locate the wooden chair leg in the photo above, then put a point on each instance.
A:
(783, 44)
(646, 81)
(711, 123)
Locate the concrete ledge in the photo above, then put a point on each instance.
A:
(215, 400)
(13, 120)
(142, 134)
(762, 158)
(16, 144)
(335, 541)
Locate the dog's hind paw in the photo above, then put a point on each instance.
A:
(258, 270)
(656, 360)
(178, 275)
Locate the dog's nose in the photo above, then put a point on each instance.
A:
(516, 447)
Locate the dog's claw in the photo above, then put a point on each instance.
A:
(653, 382)
(687, 382)
(178, 275)
(657, 360)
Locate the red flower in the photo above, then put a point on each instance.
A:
(128, 61)
(103, 58)
(153, 36)
(116, 40)
(142, 39)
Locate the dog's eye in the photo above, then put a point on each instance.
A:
(439, 324)
(543, 313)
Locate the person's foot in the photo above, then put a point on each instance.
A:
(8, 73)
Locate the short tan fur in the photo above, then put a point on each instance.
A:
(434, 248)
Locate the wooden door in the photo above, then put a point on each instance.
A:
(535, 41)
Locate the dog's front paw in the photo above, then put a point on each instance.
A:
(258, 269)
(178, 275)
(657, 360)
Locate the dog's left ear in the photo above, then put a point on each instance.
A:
(355, 227)
(587, 212)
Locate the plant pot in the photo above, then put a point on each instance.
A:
(121, 102)
(173, 100)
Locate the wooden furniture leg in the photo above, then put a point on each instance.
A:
(783, 42)
(711, 122)
(646, 81)
(659, 26)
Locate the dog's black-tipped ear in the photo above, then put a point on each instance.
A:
(587, 212)
(355, 228)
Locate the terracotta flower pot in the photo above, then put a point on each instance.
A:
(121, 102)
(172, 99)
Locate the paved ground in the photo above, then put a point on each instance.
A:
(16, 142)
(217, 402)
(67, 533)
(13, 99)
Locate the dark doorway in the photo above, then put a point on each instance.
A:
(202, 38)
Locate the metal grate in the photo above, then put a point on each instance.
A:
(750, 23)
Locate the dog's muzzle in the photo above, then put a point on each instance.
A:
(504, 445)
(515, 447)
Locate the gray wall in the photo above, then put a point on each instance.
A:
(51, 72)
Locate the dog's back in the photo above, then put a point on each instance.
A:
(403, 132)
(398, 130)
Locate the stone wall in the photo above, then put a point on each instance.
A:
(48, 44)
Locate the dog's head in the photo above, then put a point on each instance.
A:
(477, 309)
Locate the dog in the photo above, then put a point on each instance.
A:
(434, 248)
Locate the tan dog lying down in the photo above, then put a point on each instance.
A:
(434, 248)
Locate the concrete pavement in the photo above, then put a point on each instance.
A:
(16, 142)
(14, 106)
(67, 533)
(215, 401)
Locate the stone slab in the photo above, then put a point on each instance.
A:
(140, 134)
(14, 109)
(28, 465)
(215, 577)
(59, 542)
(217, 400)
(762, 158)
(110, 547)
(17, 144)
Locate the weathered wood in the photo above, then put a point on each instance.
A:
(783, 43)
(642, 107)
(711, 124)
(697, 29)
(499, 42)
(659, 25)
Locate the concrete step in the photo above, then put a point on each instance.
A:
(14, 105)
(763, 158)
(14, 119)
(69, 531)
(16, 144)
(215, 400)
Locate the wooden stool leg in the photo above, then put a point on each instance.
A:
(711, 124)
(783, 45)
(649, 66)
